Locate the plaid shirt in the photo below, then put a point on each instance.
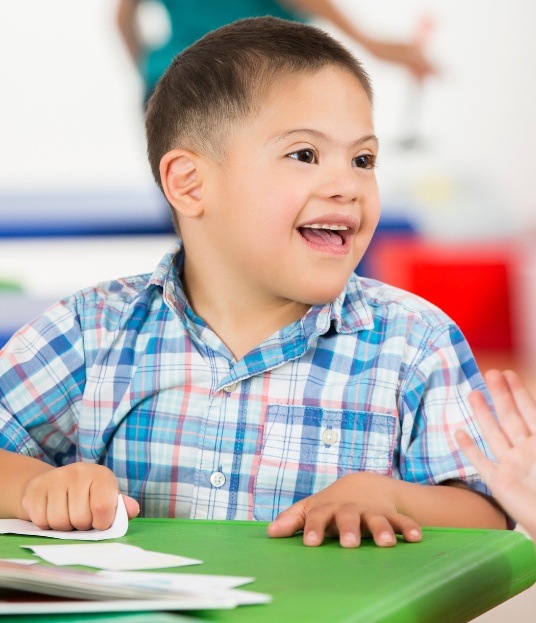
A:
(126, 375)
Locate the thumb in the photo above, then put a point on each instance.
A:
(133, 508)
(288, 522)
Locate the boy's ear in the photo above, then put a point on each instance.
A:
(181, 182)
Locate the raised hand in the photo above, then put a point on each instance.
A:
(512, 439)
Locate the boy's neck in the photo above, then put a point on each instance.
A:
(239, 318)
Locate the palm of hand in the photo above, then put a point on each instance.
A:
(513, 480)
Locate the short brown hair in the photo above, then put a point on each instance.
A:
(221, 79)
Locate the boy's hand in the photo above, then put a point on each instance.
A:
(79, 496)
(356, 505)
(512, 438)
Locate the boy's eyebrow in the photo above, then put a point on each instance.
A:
(283, 135)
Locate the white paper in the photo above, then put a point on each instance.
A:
(48, 606)
(195, 585)
(242, 598)
(115, 531)
(20, 561)
(177, 581)
(91, 593)
(111, 556)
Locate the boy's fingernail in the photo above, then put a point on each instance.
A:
(311, 538)
(386, 538)
(349, 540)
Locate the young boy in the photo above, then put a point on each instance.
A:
(253, 373)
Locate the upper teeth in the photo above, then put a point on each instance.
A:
(326, 226)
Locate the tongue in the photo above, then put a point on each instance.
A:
(322, 236)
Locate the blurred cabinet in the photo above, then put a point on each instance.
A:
(471, 282)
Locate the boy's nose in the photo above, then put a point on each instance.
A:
(342, 186)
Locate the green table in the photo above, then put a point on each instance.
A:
(453, 575)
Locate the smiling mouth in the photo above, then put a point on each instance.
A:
(327, 235)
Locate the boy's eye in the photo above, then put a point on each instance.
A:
(304, 155)
(365, 161)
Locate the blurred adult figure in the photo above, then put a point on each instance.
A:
(191, 19)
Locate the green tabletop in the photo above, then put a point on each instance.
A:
(453, 575)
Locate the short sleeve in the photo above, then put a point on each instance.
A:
(434, 404)
(42, 378)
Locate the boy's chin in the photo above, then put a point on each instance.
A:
(321, 292)
(322, 297)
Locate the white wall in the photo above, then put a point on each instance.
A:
(70, 99)
(70, 108)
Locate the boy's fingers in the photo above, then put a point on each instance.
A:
(481, 462)
(36, 509)
(513, 425)
(316, 523)
(407, 527)
(348, 522)
(287, 523)
(492, 432)
(78, 508)
(103, 505)
(523, 399)
(133, 508)
(381, 529)
(57, 509)
(478, 403)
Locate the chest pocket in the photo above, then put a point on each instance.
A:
(305, 449)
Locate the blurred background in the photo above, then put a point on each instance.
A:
(456, 167)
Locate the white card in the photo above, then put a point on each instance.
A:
(115, 531)
(177, 581)
(200, 585)
(92, 592)
(110, 556)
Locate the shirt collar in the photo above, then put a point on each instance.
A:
(167, 276)
(349, 312)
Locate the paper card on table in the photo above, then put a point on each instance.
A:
(89, 589)
(200, 585)
(111, 556)
(243, 598)
(115, 531)
(177, 581)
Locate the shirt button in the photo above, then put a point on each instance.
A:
(217, 479)
(230, 388)
(329, 437)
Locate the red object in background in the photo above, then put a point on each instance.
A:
(468, 281)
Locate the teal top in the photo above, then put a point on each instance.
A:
(191, 19)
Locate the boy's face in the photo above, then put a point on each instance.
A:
(293, 207)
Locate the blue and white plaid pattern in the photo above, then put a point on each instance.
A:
(126, 375)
